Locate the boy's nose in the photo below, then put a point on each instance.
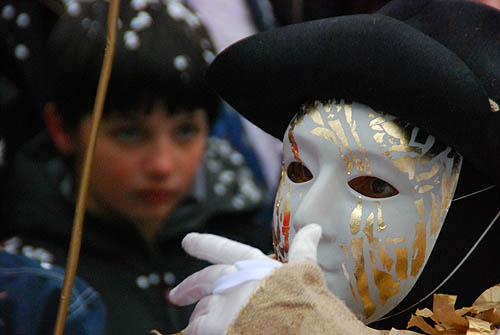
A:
(162, 159)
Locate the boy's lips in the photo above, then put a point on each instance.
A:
(155, 195)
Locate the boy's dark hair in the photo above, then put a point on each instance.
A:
(161, 56)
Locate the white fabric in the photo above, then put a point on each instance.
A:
(253, 269)
(218, 250)
(224, 288)
(228, 21)
(269, 152)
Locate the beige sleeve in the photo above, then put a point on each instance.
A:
(294, 300)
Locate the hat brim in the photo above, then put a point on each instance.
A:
(372, 59)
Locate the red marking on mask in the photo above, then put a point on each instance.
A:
(295, 147)
(285, 229)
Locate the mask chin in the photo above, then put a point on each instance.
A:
(375, 241)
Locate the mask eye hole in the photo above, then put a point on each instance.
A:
(372, 187)
(298, 172)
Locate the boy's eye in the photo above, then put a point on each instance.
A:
(372, 187)
(298, 172)
(128, 134)
(186, 132)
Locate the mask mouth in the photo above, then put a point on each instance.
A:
(332, 267)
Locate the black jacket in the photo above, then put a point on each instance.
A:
(132, 275)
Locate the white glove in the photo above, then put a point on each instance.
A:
(224, 288)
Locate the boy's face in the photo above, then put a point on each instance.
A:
(378, 192)
(144, 165)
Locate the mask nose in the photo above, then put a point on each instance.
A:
(320, 205)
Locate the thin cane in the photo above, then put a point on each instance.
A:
(76, 234)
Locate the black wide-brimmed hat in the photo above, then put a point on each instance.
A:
(435, 64)
(432, 63)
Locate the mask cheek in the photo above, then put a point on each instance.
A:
(375, 258)
(288, 199)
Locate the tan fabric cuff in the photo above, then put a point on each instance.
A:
(294, 300)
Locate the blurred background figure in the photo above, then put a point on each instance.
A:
(228, 21)
(29, 296)
(24, 28)
(156, 175)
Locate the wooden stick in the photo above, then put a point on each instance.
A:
(76, 234)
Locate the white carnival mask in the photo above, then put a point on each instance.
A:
(379, 188)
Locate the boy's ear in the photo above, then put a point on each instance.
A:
(60, 135)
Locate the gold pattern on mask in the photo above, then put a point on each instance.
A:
(338, 106)
(395, 131)
(420, 206)
(375, 124)
(387, 287)
(361, 277)
(395, 240)
(348, 278)
(345, 250)
(406, 164)
(404, 148)
(355, 220)
(368, 230)
(426, 158)
(278, 242)
(372, 257)
(425, 188)
(379, 137)
(330, 136)
(337, 128)
(402, 263)
(328, 107)
(419, 246)
(419, 243)
(316, 117)
(410, 164)
(280, 185)
(385, 283)
(380, 220)
(448, 184)
(338, 136)
(429, 174)
(435, 216)
(355, 135)
(276, 217)
(387, 262)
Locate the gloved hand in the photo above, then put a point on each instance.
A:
(222, 289)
